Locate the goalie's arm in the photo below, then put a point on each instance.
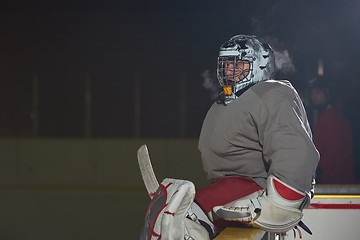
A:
(287, 145)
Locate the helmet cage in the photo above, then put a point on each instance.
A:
(239, 74)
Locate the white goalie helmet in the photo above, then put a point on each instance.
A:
(249, 50)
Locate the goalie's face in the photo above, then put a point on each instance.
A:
(237, 70)
(234, 71)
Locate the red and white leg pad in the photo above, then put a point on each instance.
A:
(166, 215)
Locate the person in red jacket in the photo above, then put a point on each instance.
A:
(333, 139)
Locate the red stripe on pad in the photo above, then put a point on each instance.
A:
(286, 192)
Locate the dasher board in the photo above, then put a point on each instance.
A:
(241, 234)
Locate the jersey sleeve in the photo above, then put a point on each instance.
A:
(286, 137)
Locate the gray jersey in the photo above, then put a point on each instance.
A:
(264, 131)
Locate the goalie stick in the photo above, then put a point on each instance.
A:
(147, 172)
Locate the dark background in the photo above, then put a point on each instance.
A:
(84, 83)
(143, 60)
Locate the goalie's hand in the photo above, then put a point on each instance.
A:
(243, 210)
(276, 211)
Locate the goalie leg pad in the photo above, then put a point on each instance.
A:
(165, 217)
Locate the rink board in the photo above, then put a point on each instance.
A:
(240, 234)
(328, 217)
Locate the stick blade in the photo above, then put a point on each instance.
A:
(147, 171)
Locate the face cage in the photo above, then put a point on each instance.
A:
(222, 68)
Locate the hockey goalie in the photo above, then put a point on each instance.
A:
(257, 150)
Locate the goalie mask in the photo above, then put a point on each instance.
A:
(243, 61)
